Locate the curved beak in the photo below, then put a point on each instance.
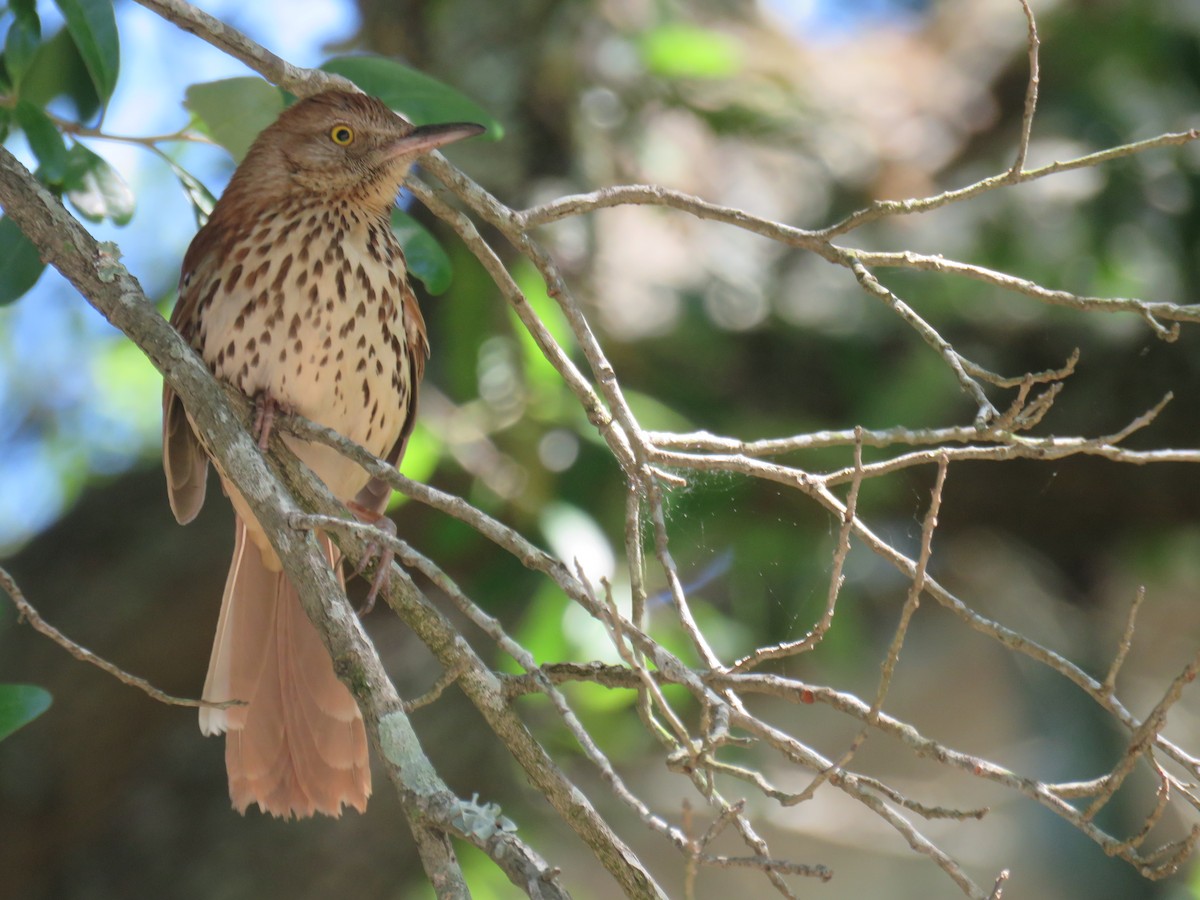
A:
(424, 138)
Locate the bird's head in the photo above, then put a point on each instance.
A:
(342, 145)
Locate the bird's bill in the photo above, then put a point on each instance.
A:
(424, 138)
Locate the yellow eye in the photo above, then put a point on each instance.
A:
(341, 135)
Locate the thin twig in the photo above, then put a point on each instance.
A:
(1031, 92)
(884, 208)
(836, 580)
(1144, 736)
(27, 613)
(655, 195)
(435, 692)
(888, 667)
(151, 141)
(1018, 447)
(1149, 311)
(985, 410)
(1109, 684)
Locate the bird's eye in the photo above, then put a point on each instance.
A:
(341, 135)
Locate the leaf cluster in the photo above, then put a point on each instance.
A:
(79, 63)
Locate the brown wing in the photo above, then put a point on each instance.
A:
(376, 494)
(184, 460)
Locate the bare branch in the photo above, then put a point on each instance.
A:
(27, 613)
(713, 739)
(300, 82)
(1151, 312)
(1032, 448)
(592, 405)
(888, 668)
(883, 208)
(1144, 736)
(1126, 643)
(836, 579)
(1031, 92)
(478, 682)
(654, 195)
(986, 412)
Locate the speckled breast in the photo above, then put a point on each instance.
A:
(307, 307)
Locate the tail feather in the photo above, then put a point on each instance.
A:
(250, 621)
(298, 746)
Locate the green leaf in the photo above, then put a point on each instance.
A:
(59, 71)
(425, 257)
(423, 100)
(20, 704)
(93, 28)
(21, 44)
(234, 110)
(202, 198)
(96, 189)
(685, 51)
(22, 265)
(45, 141)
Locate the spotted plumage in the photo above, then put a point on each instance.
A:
(295, 293)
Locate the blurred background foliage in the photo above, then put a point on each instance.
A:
(799, 110)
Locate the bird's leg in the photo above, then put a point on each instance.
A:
(381, 552)
(265, 408)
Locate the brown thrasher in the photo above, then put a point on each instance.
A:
(295, 292)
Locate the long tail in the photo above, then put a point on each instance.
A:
(299, 745)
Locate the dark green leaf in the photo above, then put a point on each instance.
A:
(59, 71)
(425, 257)
(45, 141)
(20, 265)
(5, 122)
(96, 189)
(422, 99)
(94, 30)
(20, 704)
(233, 111)
(21, 45)
(685, 51)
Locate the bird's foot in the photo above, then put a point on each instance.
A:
(379, 551)
(265, 408)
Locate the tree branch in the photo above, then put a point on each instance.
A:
(696, 736)
(299, 81)
(27, 613)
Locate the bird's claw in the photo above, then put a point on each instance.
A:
(378, 551)
(265, 408)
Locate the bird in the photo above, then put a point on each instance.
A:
(295, 292)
